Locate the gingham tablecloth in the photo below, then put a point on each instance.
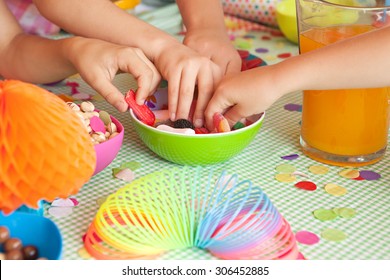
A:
(368, 233)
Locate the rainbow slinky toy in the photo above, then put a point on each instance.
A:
(185, 207)
(45, 151)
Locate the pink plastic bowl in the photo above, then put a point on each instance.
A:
(107, 151)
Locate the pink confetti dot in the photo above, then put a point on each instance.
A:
(307, 237)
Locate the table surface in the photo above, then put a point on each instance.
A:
(368, 233)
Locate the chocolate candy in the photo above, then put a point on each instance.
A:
(15, 254)
(4, 234)
(12, 244)
(30, 252)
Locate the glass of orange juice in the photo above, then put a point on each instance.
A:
(345, 127)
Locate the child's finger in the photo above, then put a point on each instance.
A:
(145, 73)
(206, 81)
(234, 114)
(173, 94)
(112, 95)
(186, 94)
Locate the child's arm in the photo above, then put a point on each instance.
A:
(181, 66)
(39, 60)
(359, 62)
(206, 33)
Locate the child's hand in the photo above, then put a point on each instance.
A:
(184, 69)
(242, 95)
(215, 45)
(98, 62)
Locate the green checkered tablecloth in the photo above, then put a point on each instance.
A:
(368, 232)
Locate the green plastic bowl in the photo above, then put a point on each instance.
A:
(198, 149)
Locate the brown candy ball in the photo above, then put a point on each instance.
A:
(4, 234)
(30, 252)
(12, 244)
(15, 254)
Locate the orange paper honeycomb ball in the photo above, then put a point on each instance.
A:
(45, 151)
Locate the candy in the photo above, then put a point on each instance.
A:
(30, 252)
(4, 234)
(142, 112)
(167, 128)
(97, 124)
(201, 130)
(238, 125)
(221, 124)
(13, 247)
(183, 123)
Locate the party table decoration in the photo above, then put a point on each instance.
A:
(185, 207)
(46, 152)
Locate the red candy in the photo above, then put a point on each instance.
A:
(201, 130)
(142, 112)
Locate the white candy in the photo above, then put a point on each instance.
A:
(87, 106)
(187, 131)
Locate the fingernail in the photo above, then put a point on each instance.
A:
(173, 117)
(198, 123)
(141, 102)
(122, 106)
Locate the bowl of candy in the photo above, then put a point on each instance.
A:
(179, 142)
(106, 132)
(27, 236)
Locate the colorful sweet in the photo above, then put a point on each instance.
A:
(39, 160)
(221, 124)
(14, 249)
(164, 127)
(142, 112)
(98, 123)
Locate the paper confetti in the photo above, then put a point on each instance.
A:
(285, 177)
(63, 202)
(60, 211)
(81, 96)
(290, 157)
(318, 169)
(299, 173)
(346, 213)
(306, 185)
(83, 253)
(307, 237)
(132, 165)
(126, 175)
(285, 168)
(293, 107)
(335, 190)
(331, 234)
(349, 173)
(323, 214)
(101, 200)
(369, 175)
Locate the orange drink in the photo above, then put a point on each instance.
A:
(345, 127)
(346, 122)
